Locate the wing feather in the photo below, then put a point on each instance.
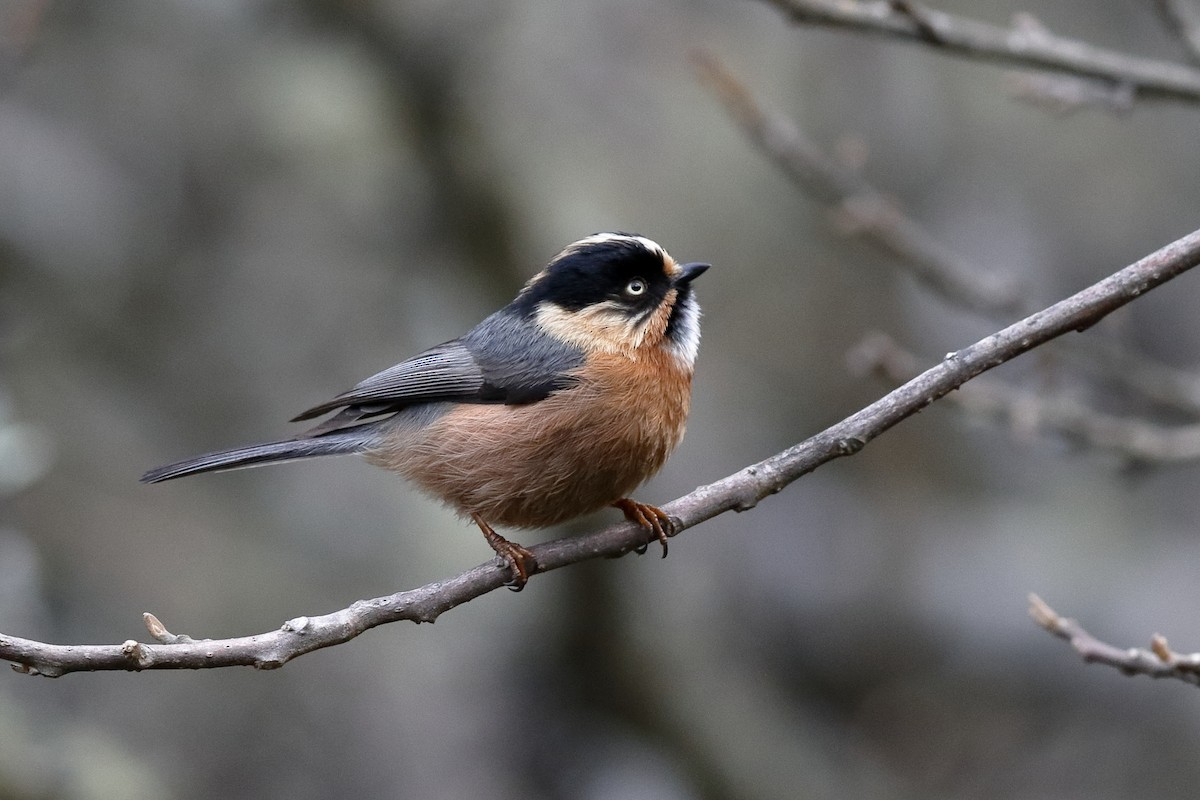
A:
(504, 359)
(445, 372)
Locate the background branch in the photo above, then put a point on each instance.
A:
(1172, 387)
(1066, 94)
(737, 492)
(1021, 46)
(860, 209)
(1184, 21)
(1029, 411)
(1160, 661)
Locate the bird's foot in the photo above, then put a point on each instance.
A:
(521, 563)
(650, 517)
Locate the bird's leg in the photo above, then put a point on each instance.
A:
(521, 562)
(649, 517)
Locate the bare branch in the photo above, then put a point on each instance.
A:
(1066, 94)
(859, 207)
(863, 210)
(1020, 46)
(1184, 21)
(1028, 411)
(1157, 662)
(738, 492)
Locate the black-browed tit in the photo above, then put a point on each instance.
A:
(557, 405)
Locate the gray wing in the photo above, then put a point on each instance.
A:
(445, 372)
(504, 359)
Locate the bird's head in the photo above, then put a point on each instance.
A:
(618, 293)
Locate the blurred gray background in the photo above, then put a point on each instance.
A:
(216, 214)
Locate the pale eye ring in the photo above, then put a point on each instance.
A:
(635, 287)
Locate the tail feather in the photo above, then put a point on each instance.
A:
(339, 443)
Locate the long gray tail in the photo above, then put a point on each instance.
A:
(337, 443)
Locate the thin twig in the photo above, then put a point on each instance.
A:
(864, 210)
(1028, 411)
(1066, 94)
(1160, 661)
(1184, 21)
(738, 492)
(1063, 93)
(860, 208)
(1015, 46)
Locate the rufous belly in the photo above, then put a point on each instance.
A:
(535, 465)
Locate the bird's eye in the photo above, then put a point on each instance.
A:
(635, 287)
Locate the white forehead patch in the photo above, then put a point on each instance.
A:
(600, 238)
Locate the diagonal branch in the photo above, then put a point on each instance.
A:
(1134, 439)
(738, 492)
(1017, 46)
(1160, 661)
(863, 210)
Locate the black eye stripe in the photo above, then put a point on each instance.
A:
(597, 272)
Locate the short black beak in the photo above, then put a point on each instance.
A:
(689, 272)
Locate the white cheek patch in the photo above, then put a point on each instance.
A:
(685, 338)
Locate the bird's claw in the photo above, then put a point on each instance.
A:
(650, 517)
(521, 562)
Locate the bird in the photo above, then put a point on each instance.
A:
(557, 405)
